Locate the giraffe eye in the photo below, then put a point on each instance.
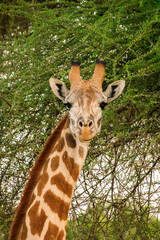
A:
(68, 105)
(102, 105)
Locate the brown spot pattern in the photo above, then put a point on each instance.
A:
(62, 184)
(24, 232)
(71, 142)
(72, 167)
(60, 145)
(55, 163)
(42, 182)
(81, 152)
(56, 204)
(20, 215)
(52, 232)
(37, 220)
(60, 235)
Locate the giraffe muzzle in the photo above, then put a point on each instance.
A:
(86, 129)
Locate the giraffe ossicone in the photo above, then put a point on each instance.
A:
(43, 209)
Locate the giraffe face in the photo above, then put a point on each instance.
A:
(86, 100)
(85, 112)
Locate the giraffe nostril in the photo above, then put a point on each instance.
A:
(80, 124)
(90, 123)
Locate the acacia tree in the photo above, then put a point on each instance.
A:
(38, 40)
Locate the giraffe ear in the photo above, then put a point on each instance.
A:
(59, 88)
(114, 90)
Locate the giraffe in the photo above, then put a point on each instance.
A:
(43, 209)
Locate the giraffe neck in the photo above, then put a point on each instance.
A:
(50, 199)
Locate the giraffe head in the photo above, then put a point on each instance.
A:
(86, 100)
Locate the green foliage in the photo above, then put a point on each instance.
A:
(123, 224)
(38, 40)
